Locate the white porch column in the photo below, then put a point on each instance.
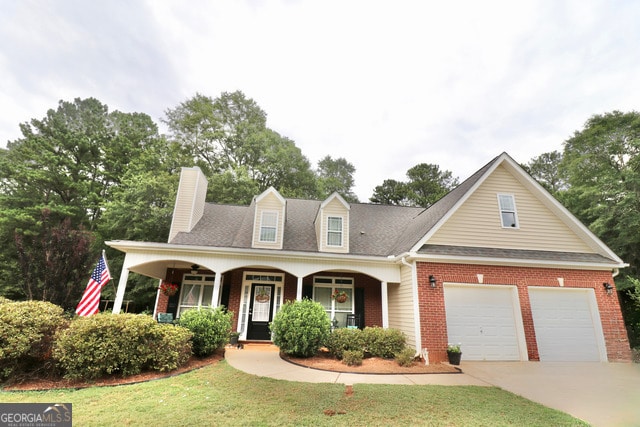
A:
(122, 286)
(299, 289)
(385, 304)
(216, 290)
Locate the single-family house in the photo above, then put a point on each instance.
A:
(497, 265)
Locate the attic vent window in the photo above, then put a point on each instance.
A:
(508, 212)
(268, 226)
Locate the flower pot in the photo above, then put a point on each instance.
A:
(233, 340)
(341, 298)
(454, 358)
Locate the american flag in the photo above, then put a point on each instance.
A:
(91, 299)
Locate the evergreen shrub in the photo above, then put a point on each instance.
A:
(352, 357)
(210, 328)
(385, 343)
(123, 344)
(344, 339)
(406, 357)
(27, 329)
(300, 328)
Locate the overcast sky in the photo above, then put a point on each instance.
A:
(386, 85)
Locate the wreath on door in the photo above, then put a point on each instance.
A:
(262, 296)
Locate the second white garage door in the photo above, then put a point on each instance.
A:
(567, 325)
(486, 320)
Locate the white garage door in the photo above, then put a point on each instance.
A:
(567, 325)
(486, 321)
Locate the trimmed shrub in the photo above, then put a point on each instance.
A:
(27, 329)
(210, 328)
(343, 339)
(385, 343)
(300, 328)
(352, 357)
(406, 357)
(124, 344)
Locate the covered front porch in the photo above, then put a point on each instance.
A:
(254, 288)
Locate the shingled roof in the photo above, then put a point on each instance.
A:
(375, 230)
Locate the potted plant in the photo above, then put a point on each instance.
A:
(169, 289)
(454, 353)
(233, 338)
(339, 296)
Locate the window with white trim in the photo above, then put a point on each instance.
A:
(508, 214)
(196, 292)
(269, 226)
(334, 231)
(323, 290)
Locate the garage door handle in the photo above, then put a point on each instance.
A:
(481, 330)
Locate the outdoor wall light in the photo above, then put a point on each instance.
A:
(432, 280)
(608, 287)
(194, 269)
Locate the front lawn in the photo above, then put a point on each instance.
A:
(222, 395)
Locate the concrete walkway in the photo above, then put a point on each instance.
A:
(265, 361)
(603, 394)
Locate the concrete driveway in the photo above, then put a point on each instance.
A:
(602, 394)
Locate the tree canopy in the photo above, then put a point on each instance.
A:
(336, 175)
(426, 185)
(602, 166)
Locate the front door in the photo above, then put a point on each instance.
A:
(260, 312)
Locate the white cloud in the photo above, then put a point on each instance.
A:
(386, 85)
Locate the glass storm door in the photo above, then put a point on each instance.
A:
(260, 312)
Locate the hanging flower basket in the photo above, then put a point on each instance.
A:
(339, 296)
(168, 289)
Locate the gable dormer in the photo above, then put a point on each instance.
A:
(332, 225)
(268, 223)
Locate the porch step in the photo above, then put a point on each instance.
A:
(258, 346)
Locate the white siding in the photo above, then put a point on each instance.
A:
(270, 202)
(190, 200)
(477, 222)
(401, 314)
(334, 209)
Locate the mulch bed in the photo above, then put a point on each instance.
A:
(322, 361)
(370, 365)
(36, 384)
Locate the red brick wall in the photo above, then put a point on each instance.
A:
(372, 299)
(372, 293)
(433, 327)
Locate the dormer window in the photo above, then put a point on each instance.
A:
(269, 226)
(334, 231)
(508, 213)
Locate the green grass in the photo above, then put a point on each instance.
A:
(222, 395)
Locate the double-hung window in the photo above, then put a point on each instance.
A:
(196, 292)
(334, 231)
(325, 290)
(269, 226)
(508, 214)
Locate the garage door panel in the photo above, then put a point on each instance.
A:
(484, 321)
(567, 324)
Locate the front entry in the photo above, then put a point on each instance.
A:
(260, 312)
